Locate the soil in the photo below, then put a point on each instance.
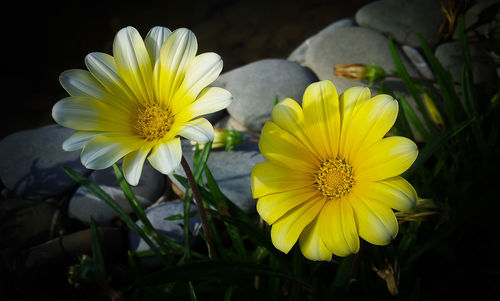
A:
(43, 40)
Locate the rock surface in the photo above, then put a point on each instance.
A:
(256, 85)
(84, 204)
(231, 171)
(31, 162)
(344, 45)
(403, 20)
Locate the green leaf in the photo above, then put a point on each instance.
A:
(412, 117)
(96, 249)
(192, 293)
(177, 217)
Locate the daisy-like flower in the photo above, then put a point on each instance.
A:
(331, 176)
(138, 102)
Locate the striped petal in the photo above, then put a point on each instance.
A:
(369, 124)
(211, 100)
(322, 117)
(133, 164)
(273, 206)
(81, 83)
(78, 140)
(377, 223)
(268, 178)
(154, 40)
(103, 151)
(387, 158)
(287, 229)
(338, 228)
(166, 157)
(199, 130)
(394, 192)
(311, 244)
(133, 63)
(350, 101)
(285, 150)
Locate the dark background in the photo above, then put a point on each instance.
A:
(42, 40)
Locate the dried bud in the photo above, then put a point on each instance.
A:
(390, 275)
(422, 211)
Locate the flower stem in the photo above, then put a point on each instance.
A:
(199, 204)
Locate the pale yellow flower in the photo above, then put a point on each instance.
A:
(138, 102)
(331, 176)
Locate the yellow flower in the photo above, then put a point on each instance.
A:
(331, 176)
(138, 102)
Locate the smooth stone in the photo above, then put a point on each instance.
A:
(32, 162)
(403, 20)
(344, 45)
(25, 223)
(418, 61)
(231, 171)
(84, 204)
(256, 85)
(229, 123)
(483, 70)
(172, 229)
(299, 54)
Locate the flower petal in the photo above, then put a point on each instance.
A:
(176, 55)
(288, 115)
(338, 228)
(154, 40)
(287, 229)
(166, 157)
(202, 71)
(322, 117)
(78, 140)
(81, 83)
(311, 244)
(133, 63)
(394, 192)
(273, 206)
(268, 178)
(87, 114)
(103, 67)
(387, 158)
(369, 124)
(350, 101)
(199, 130)
(103, 151)
(377, 223)
(285, 150)
(133, 163)
(211, 100)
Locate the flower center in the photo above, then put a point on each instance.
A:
(153, 122)
(334, 179)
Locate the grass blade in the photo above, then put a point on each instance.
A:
(95, 245)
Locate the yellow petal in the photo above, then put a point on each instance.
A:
(322, 117)
(287, 229)
(268, 178)
(350, 101)
(133, 164)
(285, 150)
(393, 192)
(133, 63)
(176, 55)
(376, 222)
(338, 228)
(103, 151)
(273, 206)
(311, 244)
(369, 124)
(166, 157)
(387, 158)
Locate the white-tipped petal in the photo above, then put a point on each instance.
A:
(133, 164)
(154, 40)
(166, 157)
(211, 100)
(78, 140)
(103, 151)
(199, 130)
(81, 83)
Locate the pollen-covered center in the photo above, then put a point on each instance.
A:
(334, 179)
(153, 122)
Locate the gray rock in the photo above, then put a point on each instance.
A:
(344, 45)
(450, 56)
(231, 171)
(255, 86)
(228, 123)
(418, 61)
(299, 54)
(403, 20)
(172, 229)
(474, 17)
(31, 162)
(84, 204)
(25, 223)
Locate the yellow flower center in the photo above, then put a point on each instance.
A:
(153, 122)
(334, 179)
